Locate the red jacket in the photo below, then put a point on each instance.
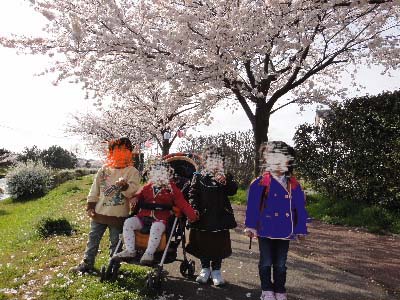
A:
(167, 196)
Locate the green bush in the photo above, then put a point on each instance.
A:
(28, 179)
(354, 153)
(377, 219)
(62, 176)
(346, 212)
(49, 226)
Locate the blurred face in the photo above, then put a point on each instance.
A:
(214, 164)
(274, 160)
(119, 157)
(159, 175)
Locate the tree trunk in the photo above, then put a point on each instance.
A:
(260, 130)
(166, 145)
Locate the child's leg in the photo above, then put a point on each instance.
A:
(264, 265)
(216, 264)
(205, 271)
(130, 225)
(280, 252)
(216, 274)
(156, 231)
(96, 233)
(114, 231)
(205, 262)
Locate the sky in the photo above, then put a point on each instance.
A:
(35, 112)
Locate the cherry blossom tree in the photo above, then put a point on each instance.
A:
(144, 112)
(258, 52)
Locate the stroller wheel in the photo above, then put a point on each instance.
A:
(114, 271)
(184, 268)
(154, 281)
(187, 268)
(102, 273)
(191, 268)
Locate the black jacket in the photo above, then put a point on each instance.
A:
(210, 198)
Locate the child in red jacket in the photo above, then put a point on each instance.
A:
(160, 190)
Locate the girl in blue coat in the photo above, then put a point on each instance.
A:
(275, 215)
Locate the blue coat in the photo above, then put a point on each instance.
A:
(273, 211)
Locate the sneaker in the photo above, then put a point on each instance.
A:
(267, 295)
(216, 277)
(82, 268)
(204, 275)
(125, 254)
(280, 296)
(147, 259)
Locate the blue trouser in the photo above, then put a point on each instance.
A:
(273, 252)
(96, 233)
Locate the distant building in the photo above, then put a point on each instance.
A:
(320, 115)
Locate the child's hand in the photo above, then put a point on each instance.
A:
(220, 178)
(250, 232)
(132, 202)
(122, 183)
(91, 212)
(197, 217)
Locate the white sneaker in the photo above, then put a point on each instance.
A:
(126, 254)
(267, 295)
(204, 275)
(147, 258)
(217, 278)
(280, 296)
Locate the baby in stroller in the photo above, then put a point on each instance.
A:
(155, 201)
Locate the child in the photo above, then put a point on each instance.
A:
(209, 238)
(107, 204)
(160, 190)
(275, 214)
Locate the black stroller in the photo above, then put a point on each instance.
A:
(184, 165)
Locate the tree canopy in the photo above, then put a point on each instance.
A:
(252, 53)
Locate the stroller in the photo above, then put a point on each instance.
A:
(184, 165)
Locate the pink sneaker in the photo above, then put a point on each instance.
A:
(280, 296)
(267, 295)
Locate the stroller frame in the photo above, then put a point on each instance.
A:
(156, 276)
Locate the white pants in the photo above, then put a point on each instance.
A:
(134, 223)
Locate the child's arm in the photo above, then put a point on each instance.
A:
(94, 194)
(231, 185)
(194, 192)
(254, 197)
(180, 201)
(133, 183)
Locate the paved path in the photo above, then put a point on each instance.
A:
(307, 279)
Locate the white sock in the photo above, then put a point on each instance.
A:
(156, 231)
(130, 225)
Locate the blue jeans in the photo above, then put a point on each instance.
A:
(96, 233)
(273, 253)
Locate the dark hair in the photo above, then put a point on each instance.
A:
(211, 150)
(123, 141)
(280, 147)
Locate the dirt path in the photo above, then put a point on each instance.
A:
(333, 263)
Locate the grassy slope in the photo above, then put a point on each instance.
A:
(31, 267)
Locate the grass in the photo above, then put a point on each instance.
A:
(240, 197)
(375, 219)
(36, 268)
